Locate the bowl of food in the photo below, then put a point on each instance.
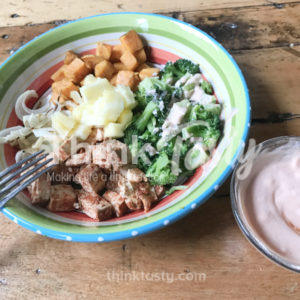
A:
(143, 115)
(265, 199)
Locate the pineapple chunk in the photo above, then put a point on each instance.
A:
(113, 130)
(93, 91)
(62, 124)
(89, 79)
(82, 131)
(125, 117)
(110, 106)
(128, 97)
(77, 112)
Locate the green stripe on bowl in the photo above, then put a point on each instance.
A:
(105, 24)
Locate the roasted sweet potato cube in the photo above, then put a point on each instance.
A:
(76, 70)
(104, 69)
(59, 74)
(116, 53)
(131, 41)
(117, 202)
(129, 60)
(141, 56)
(119, 66)
(54, 96)
(104, 50)
(91, 60)
(142, 66)
(63, 87)
(94, 206)
(128, 78)
(62, 99)
(91, 178)
(113, 81)
(62, 198)
(149, 72)
(70, 56)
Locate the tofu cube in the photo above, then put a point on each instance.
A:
(79, 159)
(159, 190)
(128, 78)
(40, 190)
(94, 206)
(76, 70)
(70, 56)
(62, 198)
(129, 60)
(104, 50)
(91, 60)
(91, 178)
(62, 174)
(104, 69)
(117, 202)
(95, 136)
(116, 53)
(131, 41)
(149, 72)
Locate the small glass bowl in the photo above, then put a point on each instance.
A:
(236, 203)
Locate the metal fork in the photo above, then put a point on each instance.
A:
(11, 186)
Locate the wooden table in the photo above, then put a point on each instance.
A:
(264, 38)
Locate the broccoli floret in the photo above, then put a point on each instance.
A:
(188, 87)
(210, 133)
(211, 137)
(144, 118)
(174, 71)
(207, 87)
(160, 172)
(138, 127)
(131, 131)
(153, 89)
(149, 137)
(178, 93)
(199, 112)
(169, 148)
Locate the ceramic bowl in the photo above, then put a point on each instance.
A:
(168, 39)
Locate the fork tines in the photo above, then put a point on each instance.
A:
(11, 186)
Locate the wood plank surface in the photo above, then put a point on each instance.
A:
(239, 28)
(208, 242)
(269, 72)
(17, 12)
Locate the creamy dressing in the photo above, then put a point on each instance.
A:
(182, 80)
(174, 118)
(200, 97)
(195, 79)
(270, 199)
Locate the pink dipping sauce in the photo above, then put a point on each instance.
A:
(270, 200)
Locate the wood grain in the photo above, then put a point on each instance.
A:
(269, 72)
(207, 241)
(16, 12)
(235, 28)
